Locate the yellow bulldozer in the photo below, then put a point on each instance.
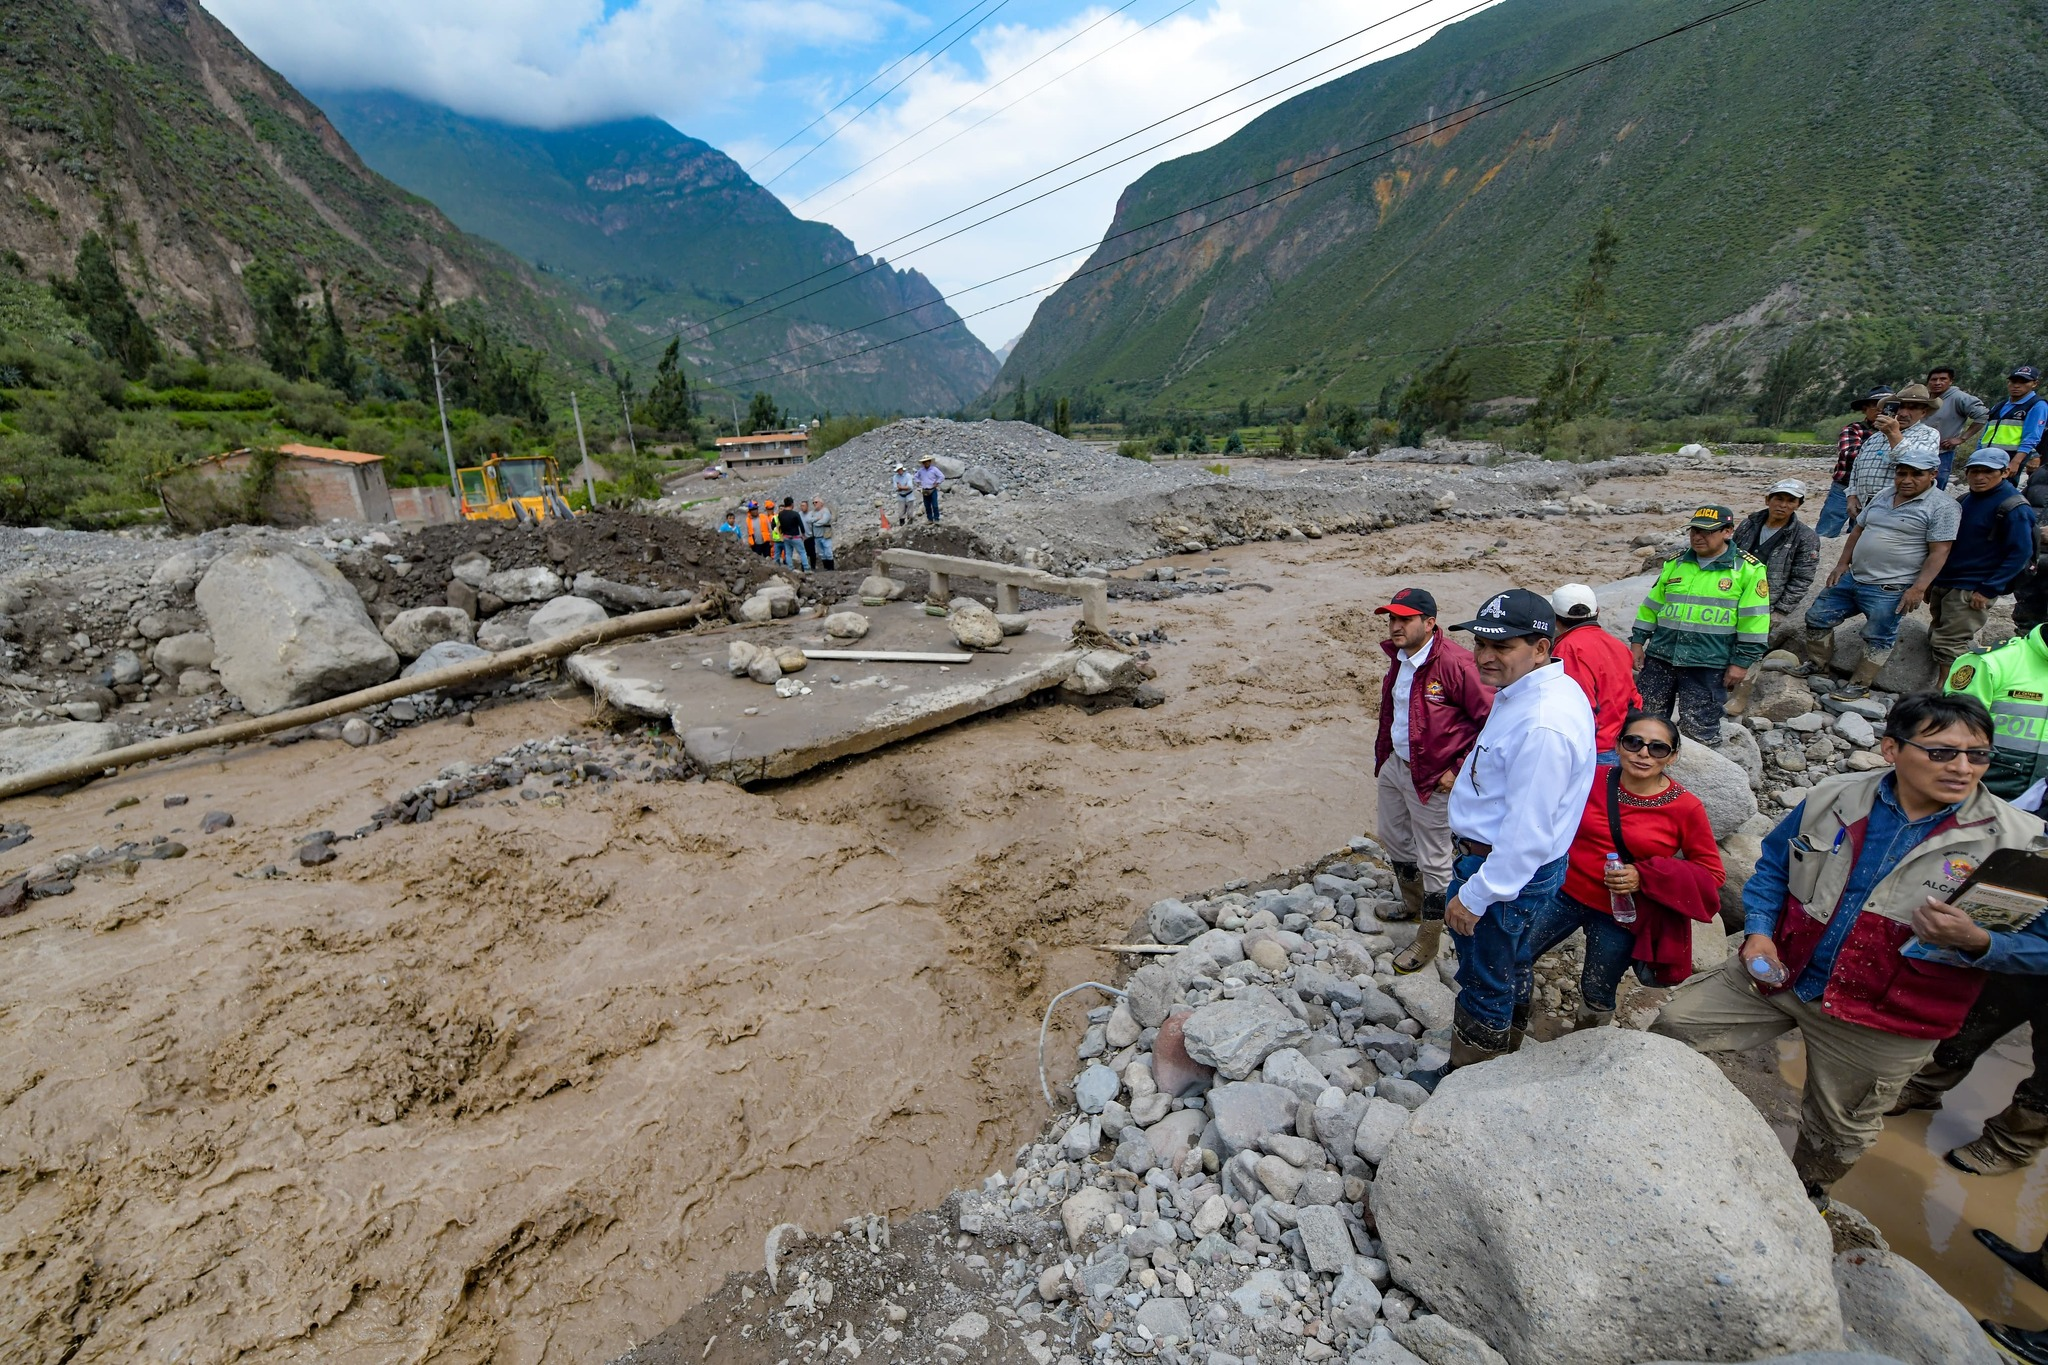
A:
(522, 488)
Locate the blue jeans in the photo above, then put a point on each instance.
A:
(793, 552)
(1834, 513)
(1492, 961)
(1876, 604)
(1610, 949)
(931, 504)
(1948, 461)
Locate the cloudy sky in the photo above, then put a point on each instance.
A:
(748, 75)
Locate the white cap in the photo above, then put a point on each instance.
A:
(902, 468)
(1574, 602)
(1792, 486)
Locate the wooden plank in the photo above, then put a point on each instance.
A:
(888, 656)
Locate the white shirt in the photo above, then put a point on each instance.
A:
(1404, 684)
(1524, 785)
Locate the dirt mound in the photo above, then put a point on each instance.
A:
(626, 547)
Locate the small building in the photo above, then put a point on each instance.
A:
(312, 484)
(764, 450)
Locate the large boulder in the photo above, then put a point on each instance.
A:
(973, 624)
(1739, 746)
(1779, 696)
(537, 584)
(1720, 784)
(1911, 665)
(1893, 1306)
(1739, 854)
(1618, 602)
(1606, 1199)
(414, 632)
(30, 749)
(288, 630)
(563, 616)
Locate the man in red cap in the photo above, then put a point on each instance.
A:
(1432, 707)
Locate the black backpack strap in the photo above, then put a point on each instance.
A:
(1614, 814)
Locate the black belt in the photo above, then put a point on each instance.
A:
(1470, 848)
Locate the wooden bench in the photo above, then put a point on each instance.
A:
(1009, 580)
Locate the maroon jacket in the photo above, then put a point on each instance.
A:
(1446, 712)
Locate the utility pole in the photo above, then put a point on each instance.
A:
(447, 441)
(589, 488)
(627, 408)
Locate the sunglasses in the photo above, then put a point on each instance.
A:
(1656, 748)
(1979, 758)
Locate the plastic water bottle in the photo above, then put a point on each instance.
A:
(1767, 972)
(1623, 902)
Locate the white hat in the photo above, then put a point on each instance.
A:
(901, 468)
(1792, 486)
(1574, 602)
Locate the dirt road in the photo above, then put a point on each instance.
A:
(521, 1084)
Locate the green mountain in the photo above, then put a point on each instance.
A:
(664, 231)
(1864, 172)
(147, 122)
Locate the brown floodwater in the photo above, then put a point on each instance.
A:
(1926, 1208)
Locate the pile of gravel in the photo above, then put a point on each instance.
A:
(1011, 456)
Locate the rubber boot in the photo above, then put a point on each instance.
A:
(1518, 1031)
(1820, 653)
(2017, 1342)
(2010, 1141)
(1817, 1170)
(1588, 1017)
(1473, 1042)
(1408, 877)
(1429, 937)
(1914, 1096)
(1738, 700)
(1858, 686)
(2028, 1263)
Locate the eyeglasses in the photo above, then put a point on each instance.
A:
(1657, 748)
(1979, 758)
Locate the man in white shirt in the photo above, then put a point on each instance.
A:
(1514, 811)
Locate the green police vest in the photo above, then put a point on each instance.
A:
(2009, 428)
(1707, 615)
(2012, 682)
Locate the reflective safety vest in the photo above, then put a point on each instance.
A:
(2012, 682)
(2009, 423)
(760, 526)
(1707, 615)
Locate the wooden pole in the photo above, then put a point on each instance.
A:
(476, 670)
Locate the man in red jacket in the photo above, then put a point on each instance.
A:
(1598, 662)
(1432, 707)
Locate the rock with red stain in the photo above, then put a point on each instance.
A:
(1173, 1071)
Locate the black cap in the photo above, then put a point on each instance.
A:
(1512, 615)
(1711, 517)
(1408, 602)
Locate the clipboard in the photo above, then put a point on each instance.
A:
(2006, 893)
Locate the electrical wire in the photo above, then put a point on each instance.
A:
(1477, 109)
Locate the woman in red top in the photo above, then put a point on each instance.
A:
(1659, 819)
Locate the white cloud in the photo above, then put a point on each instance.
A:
(542, 63)
(1210, 47)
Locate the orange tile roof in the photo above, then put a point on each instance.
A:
(330, 456)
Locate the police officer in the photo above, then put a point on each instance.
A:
(1703, 625)
(1515, 809)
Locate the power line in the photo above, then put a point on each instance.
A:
(1477, 109)
(769, 155)
(985, 90)
(1072, 161)
(820, 144)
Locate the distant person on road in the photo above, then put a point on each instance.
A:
(905, 485)
(2016, 424)
(1598, 662)
(1957, 418)
(1515, 809)
(790, 523)
(821, 528)
(929, 477)
(1667, 861)
(1900, 543)
(1902, 430)
(1836, 513)
(1857, 869)
(1703, 625)
(1432, 705)
(1994, 544)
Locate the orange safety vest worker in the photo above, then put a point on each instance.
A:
(760, 525)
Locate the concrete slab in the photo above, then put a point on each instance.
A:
(684, 680)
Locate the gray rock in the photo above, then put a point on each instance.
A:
(625, 597)
(1355, 1301)
(537, 584)
(414, 632)
(1095, 1087)
(197, 682)
(1892, 1306)
(1382, 1122)
(1780, 697)
(288, 629)
(846, 625)
(471, 568)
(1380, 1008)
(880, 587)
(1401, 1091)
(1234, 1036)
(1911, 665)
(1721, 785)
(1150, 993)
(356, 732)
(1438, 1342)
(1172, 922)
(1098, 1278)
(84, 710)
(1673, 1179)
(973, 625)
(1428, 999)
(447, 654)
(1220, 946)
(1165, 1318)
(1326, 1239)
(1319, 1187)
(1103, 670)
(1173, 1135)
(1313, 983)
(503, 632)
(1739, 746)
(1336, 1123)
(1856, 729)
(1245, 1111)
(1810, 723)
(1385, 1351)
(125, 670)
(563, 616)
(176, 654)
(1288, 1069)
(30, 749)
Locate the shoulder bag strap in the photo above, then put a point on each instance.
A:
(1614, 814)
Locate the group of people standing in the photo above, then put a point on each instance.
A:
(797, 535)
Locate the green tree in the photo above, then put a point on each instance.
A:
(1289, 442)
(284, 326)
(1790, 378)
(668, 408)
(97, 297)
(1578, 381)
(423, 329)
(1235, 445)
(333, 361)
(763, 415)
(1019, 412)
(1062, 419)
(1436, 398)
(1244, 412)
